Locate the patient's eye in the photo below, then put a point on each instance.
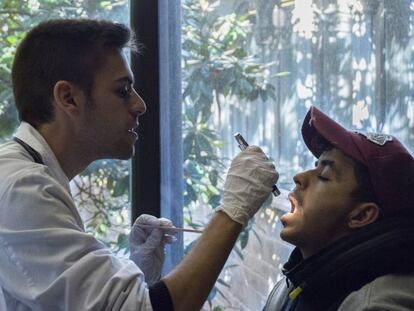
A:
(322, 178)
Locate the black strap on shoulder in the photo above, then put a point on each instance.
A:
(35, 155)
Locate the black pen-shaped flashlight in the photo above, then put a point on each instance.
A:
(243, 145)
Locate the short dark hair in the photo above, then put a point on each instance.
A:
(65, 49)
(364, 192)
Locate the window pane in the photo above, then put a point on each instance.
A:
(255, 67)
(101, 192)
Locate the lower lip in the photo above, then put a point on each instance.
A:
(291, 212)
(285, 217)
(133, 133)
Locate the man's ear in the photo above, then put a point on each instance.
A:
(362, 215)
(67, 97)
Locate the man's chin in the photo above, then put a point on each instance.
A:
(125, 154)
(287, 234)
(283, 234)
(129, 153)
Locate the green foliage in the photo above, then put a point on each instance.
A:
(101, 192)
(217, 68)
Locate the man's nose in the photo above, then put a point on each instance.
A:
(138, 105)
(300, 179)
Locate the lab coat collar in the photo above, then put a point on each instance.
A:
(34, 139)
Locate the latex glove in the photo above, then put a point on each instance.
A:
(248, 183)
(148, 245)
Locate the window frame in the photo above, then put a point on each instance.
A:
(156, 168)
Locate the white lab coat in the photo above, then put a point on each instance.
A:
(47, 261)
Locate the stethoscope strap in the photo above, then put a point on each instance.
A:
(35, 155)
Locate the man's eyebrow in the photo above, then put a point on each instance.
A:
(326, 162)
(125, 79)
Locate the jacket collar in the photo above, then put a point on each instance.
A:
(381, 248)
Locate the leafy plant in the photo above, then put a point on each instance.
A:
(217, 69)
(216, 66)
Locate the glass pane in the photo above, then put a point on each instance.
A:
(101, 192)
(256, 67)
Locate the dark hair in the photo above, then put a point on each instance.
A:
(66, 49)
(364, 192)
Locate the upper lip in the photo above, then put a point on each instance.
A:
(133, 128)
(293, 201)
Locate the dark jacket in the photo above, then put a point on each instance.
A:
(323, 281)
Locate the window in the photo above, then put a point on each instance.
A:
(255, 68)
(102, 191)
(243, 66)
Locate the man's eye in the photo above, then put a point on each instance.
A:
(323, 178)
(124, 92)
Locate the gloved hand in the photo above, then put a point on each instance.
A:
(248, 183)
(148, 245)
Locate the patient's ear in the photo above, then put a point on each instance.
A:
(362, 215)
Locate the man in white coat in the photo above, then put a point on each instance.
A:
(74, 94)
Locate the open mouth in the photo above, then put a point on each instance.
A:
(293, 202)
(294, 205)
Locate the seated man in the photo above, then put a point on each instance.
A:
(351, 222)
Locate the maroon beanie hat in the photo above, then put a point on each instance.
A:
(389, 164)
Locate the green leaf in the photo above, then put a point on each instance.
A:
(203, 144)
(12, 39)
(213, 176)
(212, 293)
(214, 201)
(263, 96)
(103, 228)
(190, 246)
(190, 196)
(193, 170)
(244, 238)
(188, 143)
(281, 74)
(123, 240)
(222, 282)
(258, 237)
(238, 252)
(121, 187)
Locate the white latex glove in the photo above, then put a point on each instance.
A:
(248, 183)
(148, 245)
